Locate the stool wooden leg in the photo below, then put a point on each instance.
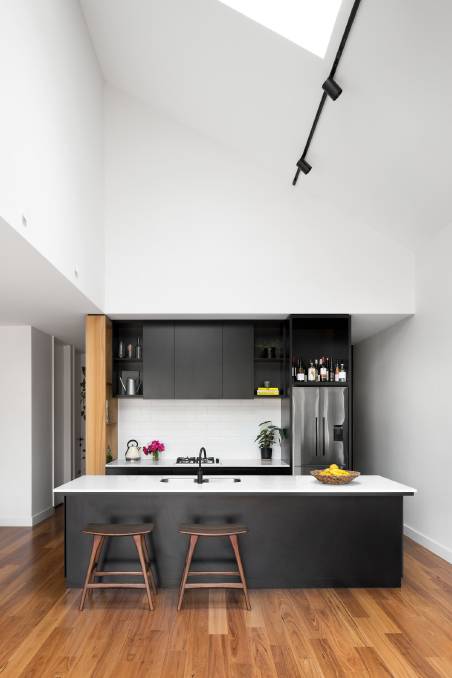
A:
(191, 548)
(148, 557)
(235, 547)
(97, 556)
(97, 543)
(137, 538)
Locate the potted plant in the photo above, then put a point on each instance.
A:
(154, 448)
(267, 437)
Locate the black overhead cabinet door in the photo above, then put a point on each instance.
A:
(198, 360)
(158, 360)
(238, 360)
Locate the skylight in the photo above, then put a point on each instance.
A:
(307, 23)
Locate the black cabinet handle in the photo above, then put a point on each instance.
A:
(316, 436)
(323, 435)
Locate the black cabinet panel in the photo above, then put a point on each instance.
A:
(158, 360)
(198, 361)
(238, 361)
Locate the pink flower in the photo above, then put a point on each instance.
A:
(154, 447)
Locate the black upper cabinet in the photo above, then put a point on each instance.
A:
(158, 360)
(238, 365)
(197, 360)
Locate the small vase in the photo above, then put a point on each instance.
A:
(266, 453)
(155, 456)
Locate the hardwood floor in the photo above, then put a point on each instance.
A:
(288, 633)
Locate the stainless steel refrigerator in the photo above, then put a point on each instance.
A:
(320, 434)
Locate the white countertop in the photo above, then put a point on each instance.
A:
(146, 462)
(224, 484)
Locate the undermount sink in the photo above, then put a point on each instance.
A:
(206, 480)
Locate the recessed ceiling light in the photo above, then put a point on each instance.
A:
(307, 23)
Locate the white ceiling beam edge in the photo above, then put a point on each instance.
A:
(35, 293)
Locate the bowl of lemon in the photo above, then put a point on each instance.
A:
(333, 475)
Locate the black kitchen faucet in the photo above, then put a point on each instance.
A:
(199, 479)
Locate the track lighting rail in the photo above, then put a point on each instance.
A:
(331, 89)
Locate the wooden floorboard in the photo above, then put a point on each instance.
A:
(404, 633)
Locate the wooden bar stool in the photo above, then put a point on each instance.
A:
(138, 533)
(227, 530)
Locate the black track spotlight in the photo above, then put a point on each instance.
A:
(332, 88)
(302, 166)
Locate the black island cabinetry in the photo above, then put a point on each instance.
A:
(300, 533)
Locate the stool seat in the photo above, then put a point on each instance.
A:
(222, 530)
(118, 529)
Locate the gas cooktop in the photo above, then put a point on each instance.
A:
(195, 460)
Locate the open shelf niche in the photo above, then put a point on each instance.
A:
(313, 336)
(271, 355)
(131, 333)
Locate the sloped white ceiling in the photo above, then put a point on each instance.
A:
(381, 151)
(35, 293)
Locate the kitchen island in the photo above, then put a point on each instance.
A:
(301, 533)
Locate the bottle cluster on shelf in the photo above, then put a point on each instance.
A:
(130, 351)
(323, 369)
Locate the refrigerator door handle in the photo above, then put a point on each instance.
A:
(323, 435)
(316, 436)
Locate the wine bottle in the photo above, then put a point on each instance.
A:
(323, 369)
(342, 373)
(311, 371)
(300, 372)
(331, 370)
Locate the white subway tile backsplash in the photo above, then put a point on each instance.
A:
(226, 428)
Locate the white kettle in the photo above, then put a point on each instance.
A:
(133, 451)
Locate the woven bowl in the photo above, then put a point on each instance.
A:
(335, 480)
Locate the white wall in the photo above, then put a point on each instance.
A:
(51, 136)
(25, 426)
(15, 426)
(63, 385)
(41, 424)
(403, 401)
(226, 428)
(191, 228)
